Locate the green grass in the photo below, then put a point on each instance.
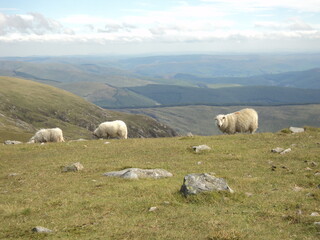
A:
(87, 205)
(199, 119)
(27, 106)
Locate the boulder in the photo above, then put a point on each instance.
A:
(74, 167)
(200, 148)
(296, 130)
(281, 150)
(8, 142)
(203, 182)
(136, 173)
(40, 229)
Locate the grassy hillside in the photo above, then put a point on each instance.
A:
(252, 95)
(274, 197)
(27, 106)
(200, 119)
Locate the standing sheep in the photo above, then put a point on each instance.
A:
(245, 120)
(47, 135)
(112, 129)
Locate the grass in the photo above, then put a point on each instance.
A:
(199, 119)
(267, 204)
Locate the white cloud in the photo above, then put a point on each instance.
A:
(32, 23)
(255, 5)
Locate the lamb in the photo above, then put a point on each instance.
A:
(245, 120)
(112, 129)
(47, 135)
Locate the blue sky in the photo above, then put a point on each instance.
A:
(80, 27)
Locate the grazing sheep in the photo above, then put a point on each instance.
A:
(245, 120)
(47, 135)
(112, 129)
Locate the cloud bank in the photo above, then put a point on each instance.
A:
(211, 21)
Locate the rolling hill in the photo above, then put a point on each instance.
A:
(27, 106)
(168, 95)
(308, 79)
(199, 120)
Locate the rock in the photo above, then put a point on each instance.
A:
(204, 182)
(317, 174)
(152, 209)
(40, 229)
(9, 142)
(277, 150)
(201, 148)
(286, 151)
(74, 167)
(106, 142)
(317, 223)
(281, 150)
(296, 130)
(315, 214)
(136, 173)
(78, 140)
(189, 134)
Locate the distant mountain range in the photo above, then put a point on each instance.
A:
(177, 80)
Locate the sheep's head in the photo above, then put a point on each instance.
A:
(220, 120)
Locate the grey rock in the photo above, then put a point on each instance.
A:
(277, 150)
(296, 130)
(203, 182)
(281, 150)
(136, 173)
(40, 229)
(74, 167)
(200, 148)
(286, 151)
(8, 142)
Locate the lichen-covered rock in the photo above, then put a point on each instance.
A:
(200, 148)
(136, 173)
(40, 229)
(9, 142)
(296, 130)
(74, 167)
(204, 182)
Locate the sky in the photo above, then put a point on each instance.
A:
(128, 27)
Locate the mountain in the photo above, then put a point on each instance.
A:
(27, 106)
(220, 65)
(298, 79)
(168, 95)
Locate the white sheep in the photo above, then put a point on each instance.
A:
(245, 120)
(111, 130)
(47, 135)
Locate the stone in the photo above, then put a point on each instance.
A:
(136, 173)
(152, 209)
(203, 182)
(40, 229)
(74, 167)
(296, 130)
(315, 214)
(200, 148)
(286, 151)
(281, 150)
(277, 150)
(9, 142)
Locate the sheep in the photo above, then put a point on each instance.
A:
(111, 129)
(47, 135)
(245, 120)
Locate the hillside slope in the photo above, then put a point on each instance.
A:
(27, 106)
(276, 196)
